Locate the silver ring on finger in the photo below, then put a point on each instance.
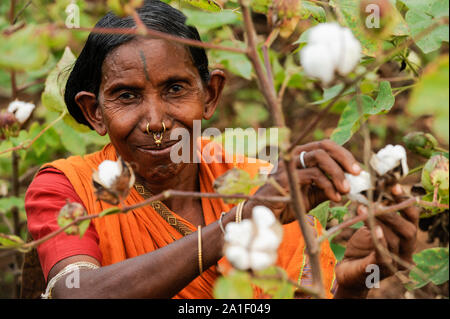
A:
(302, 159)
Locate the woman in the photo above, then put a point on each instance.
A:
(138, 91)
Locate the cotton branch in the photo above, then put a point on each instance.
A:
(269, 93)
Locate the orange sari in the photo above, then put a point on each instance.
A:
(143, 230)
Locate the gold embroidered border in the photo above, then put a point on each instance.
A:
(164, 212)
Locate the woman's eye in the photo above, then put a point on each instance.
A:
(127, 96)
(174, 89)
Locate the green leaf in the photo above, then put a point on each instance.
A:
(236, 285)
(73, 141)
(349, 122)
(338, 251)
(83, 226)
(236, 63)
(348, 13)
(332, 92)
(23, 50)
(310, 9)
(237, 181)
(52, 97)
(433, 263)
(207, 5)
(358, 225)
(273, 281)
(205, 21)
(431, 96)
(424, 13)
(110, 211)
(10, 241)
(321, 212)
(419, 21)
(7, 203)
(338, 213)
(385, 99)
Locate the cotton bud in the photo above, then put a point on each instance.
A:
(8, 125)
(421, 143)
(358, 185)
(113, 181)
(21, 110)
(389, 158)
(253, 244)
(331, 49)
(435, 174)
(69, 213)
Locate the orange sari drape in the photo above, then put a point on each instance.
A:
(143, 230)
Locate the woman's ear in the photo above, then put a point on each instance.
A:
(88, 104)
(214, 91)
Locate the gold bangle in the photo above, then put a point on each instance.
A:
(200, 261)
(239, 208)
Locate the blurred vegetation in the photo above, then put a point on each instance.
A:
(409, 92)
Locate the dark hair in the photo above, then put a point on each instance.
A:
(87, 71)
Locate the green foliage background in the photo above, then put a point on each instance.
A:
(407, 93)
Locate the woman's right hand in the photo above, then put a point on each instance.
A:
(322, 179)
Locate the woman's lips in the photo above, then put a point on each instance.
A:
(163, 150)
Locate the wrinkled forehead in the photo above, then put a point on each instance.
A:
(148, 57)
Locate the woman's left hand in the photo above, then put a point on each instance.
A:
(395, 232)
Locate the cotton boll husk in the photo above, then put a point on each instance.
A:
(108, 171)
(318, 62)
(238, 256)
(389, 158)
(350, 54)
(261, 260)
(239, 233)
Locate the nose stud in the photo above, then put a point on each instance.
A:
(157, 136)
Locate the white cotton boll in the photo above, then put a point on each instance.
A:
(324, 33)
(317, 62)
(266, 240)
(358, 183)
(238, 256)
(350, 54)
(263, 216)
(239, 233)
(261, 260)
(108, 171)
(21, 110)
(389, 158)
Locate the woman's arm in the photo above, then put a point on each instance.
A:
(159, 274)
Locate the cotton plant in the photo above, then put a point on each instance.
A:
(113, 181)
(331, 49)
(21, 110)
(253, 243)
(385, 162)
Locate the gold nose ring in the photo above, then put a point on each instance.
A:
(157, 136)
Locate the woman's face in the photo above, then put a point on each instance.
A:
(146, 82)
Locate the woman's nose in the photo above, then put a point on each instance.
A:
(154, 116)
